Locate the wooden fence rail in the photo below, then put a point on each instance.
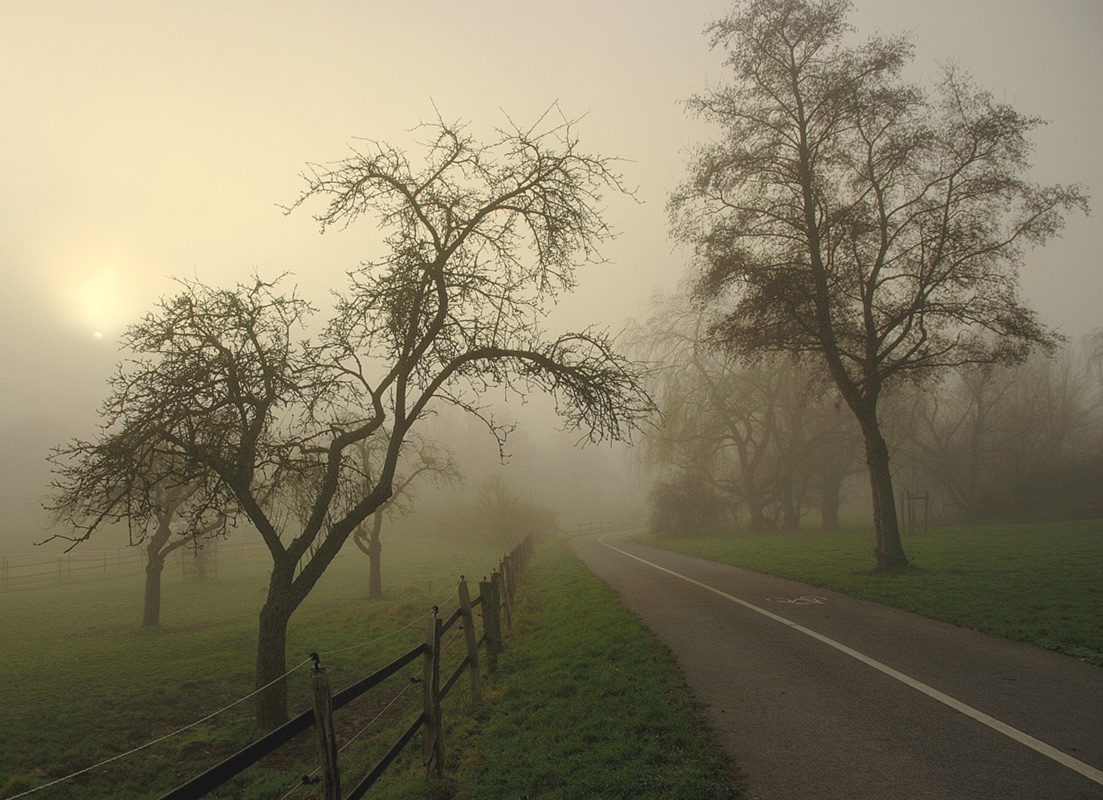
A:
(495, 599)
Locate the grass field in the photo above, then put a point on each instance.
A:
(83, 683)
(1041, 584)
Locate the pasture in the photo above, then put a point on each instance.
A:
(86, 682)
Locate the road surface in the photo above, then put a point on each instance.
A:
(819, 696)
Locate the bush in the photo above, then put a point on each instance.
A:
(685, 506)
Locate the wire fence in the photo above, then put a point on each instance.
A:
(39, 570)
(495, 599)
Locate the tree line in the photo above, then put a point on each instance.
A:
(769, 446)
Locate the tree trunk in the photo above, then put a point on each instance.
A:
(889, 552)
(790, 522)
(757, 523)
(830, 496)
(155, 564)
(375, 547)
(271, 703)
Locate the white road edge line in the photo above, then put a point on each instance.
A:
(1087, 770)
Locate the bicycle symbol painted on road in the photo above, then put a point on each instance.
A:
(803, 600)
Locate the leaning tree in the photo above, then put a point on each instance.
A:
(480, 237)
(850, 217)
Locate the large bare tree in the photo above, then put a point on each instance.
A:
(850, 217)
(480, 237)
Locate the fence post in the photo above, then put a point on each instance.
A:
(492, 629)
(509, 570)
(472, 642)
(432, 742)
(323, 729)
(502, 588)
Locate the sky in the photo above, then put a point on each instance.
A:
(142, 141)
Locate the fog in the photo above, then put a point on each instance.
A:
(148, 142)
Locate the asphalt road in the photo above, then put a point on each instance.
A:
(819, 696)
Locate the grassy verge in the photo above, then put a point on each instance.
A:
(1040, 584)
(587, 704)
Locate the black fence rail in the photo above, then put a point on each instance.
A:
(495, 600)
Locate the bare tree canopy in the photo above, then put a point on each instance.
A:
(480, 238)
(121, 479)
(765, 440)
(422, 459)
(849, 216)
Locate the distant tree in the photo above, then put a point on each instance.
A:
(506, 509)
(423, 460)
(950, 436)
(481, 237)
(851, 218)
(120, 480)
(1021, 441)
(687, 504)
(764, 436)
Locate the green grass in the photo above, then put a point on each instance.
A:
(1041, 583)
(588, 705)
(585, 704)
(85, 683)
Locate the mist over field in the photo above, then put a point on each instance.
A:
(627, 357)
(162, 141)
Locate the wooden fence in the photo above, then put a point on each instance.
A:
(496, 597)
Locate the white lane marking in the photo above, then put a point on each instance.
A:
(803, 600)
(1087, 770)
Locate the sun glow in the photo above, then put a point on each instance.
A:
(96, 300)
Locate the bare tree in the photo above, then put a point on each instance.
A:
(119, 480)
(850, 218)
(422, 460)
(509, 510)
(481, 237)
(1007, 442)
(718, 423)
(764, 435)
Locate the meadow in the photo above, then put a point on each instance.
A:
(1037, 583)
(85, 683)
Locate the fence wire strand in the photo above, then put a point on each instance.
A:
(255, 692)
(395, 632)
(355, 736)
(160, 739)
